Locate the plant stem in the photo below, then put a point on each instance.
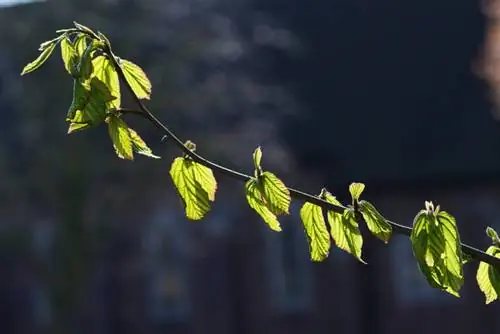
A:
(143, 111)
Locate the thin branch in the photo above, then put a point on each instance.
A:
(475, 253)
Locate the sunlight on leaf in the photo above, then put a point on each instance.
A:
(185, 175)
(88, 108)
(376, 223)
(140, 146)
(120, 136)
(344, 228)
(257, 157)
(488, 277)
(206, 179)
(137, 79)
(44, 55)
(316, 231)
(356, 189)
(276, 194)
(69, 55)
(257, 202)
(493, 235)
(85, 29)
(436, 246)
(103, 70)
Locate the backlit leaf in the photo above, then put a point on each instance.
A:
(140, 146)
(356, 189)
(69, 55)
(345, 230)
(206, 179)
(436, 246)
(35, 64)
(103, 70)
(194, 197)
(488, 277)
(120, 136)
(257, 157)
(80, 44)
(275, 194)
(85, 29)
(257, 202)
(137, 79)
(316, 231)
(85, 66)
(493, 235)
(376, 223)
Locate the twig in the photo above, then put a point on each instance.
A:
(297, 194)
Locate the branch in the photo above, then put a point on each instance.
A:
(143, 111)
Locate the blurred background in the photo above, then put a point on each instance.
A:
(399, 95)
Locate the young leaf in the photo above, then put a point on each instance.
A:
(376, 223)
(344, 228)
(436, 246)
(493, 235)
(275, 193)
(69, 55)
(103, 70)
(140, 146)
(257, 202)
(488, 277)
(257, 157)
(206, 180)
(80, 99)
(80, 44)
(120, 136)
(81, 27)
(194, 197)
(137, 79)
(316, 231)
(44, 55)
(88, 108)
(85, 67)
(356, 189)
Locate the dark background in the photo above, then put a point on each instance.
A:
(385, 93)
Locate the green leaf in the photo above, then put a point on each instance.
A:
(103, 38)
(376, 223)
(256, 200)
(85, 67)
(88, 108)
(69, 56)
(257, 157)
(436, 246)
(80, 44)
(344, 228)
(47, 44)
(44, 55)
(137, 79)
(316, 231)
(493, 235)
(356, 189)
(80, 99)
(275, 193)
(103, 70)
(488, 277)
(206, 180)
(85, 29)
(185, 174)
(140, 146)
(120, 136)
